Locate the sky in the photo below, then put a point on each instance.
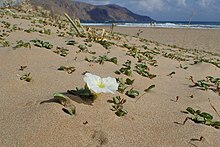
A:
(169, 10)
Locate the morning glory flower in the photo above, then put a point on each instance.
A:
(99, 85)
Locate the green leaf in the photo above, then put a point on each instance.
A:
(216, 123)
(198, 112)
(206, 115)
(71, 109)
(114, 60)
(200, 119)
(191, 110)
(62, 99)
(117, 72)
(121, 112)
(129, 81)
(149, 88)
(208, 122)
(132, 93)
(116, 100)
(72, 42)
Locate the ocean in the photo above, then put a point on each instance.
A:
(164, 24)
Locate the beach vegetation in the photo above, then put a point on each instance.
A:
(21, 43)
(65, 101)
(210, 83)
(84, 48)
(61, 51)
(149, 88)
(201, 118)
(31, 30)
(126, 69)
(143, 70)
(139, 32)
(101, 59)
(84, 93)
(71, 42)
(45, 31)
(68, 69)
(122, 86)
(5, 43)
(132, 93)
(26, 77)
(40, 43)
(129, 81)
(22, 67)
(118, 106)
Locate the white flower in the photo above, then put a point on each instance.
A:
(98, 84)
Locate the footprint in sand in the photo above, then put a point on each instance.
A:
(100, 138)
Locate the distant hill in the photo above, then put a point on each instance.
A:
(91, 13)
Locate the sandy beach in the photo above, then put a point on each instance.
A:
(29, 116)
(201, 39)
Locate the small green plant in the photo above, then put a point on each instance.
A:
(40, 43)
(45, 31)
(26, 77)
(84, 48)
(7, 24)
(71, 42)
(134, 52)
(65, 101)
(22, 67)
(126, 69)
(21, 43)
(129, 81)
(118, 106)
(84, 93)
(210, 83)
(139, 32)
(68, 69)
(202, 117)
(31, 30)
(101, 59)
(5, 43)
(127, 46)
(105, 44)
(143, 70)
(61, 51)
(122, 86)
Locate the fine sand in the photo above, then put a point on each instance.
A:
(202, 39)
(30, 117)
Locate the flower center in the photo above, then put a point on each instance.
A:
(100, 84)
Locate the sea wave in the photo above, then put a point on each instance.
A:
(199, 25)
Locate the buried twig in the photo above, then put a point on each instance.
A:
(177, 98)
(213, 107)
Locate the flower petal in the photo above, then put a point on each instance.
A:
(111, 84)
(106, 90)
(91, 80)
(97, 89)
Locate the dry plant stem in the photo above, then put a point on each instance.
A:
(213, 107)
(71, 21)
(140, 97)
(187, 118)
(103, 33)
